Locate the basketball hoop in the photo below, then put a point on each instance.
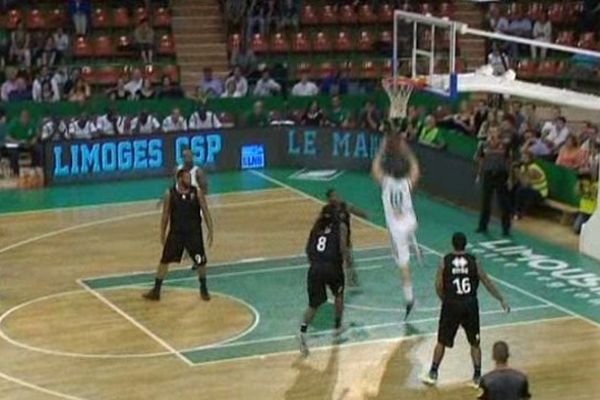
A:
(399, 91)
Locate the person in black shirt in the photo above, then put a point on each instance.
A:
(456, 285)
(313, 115)
(503, 383)
(327, 251)
(181, 213)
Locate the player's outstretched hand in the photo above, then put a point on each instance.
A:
(505, 306)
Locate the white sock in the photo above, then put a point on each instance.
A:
(408, 293)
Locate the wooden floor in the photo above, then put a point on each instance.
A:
(64, 342)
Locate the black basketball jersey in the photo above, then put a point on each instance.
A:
(460, 276)
(185, 211)
(323, 247)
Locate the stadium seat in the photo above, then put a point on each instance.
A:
(258, 44)
(556, 13)
(587, 40)
(14, 16)
(227, 120)
(385, 14)
(107, 75)
(103, 47)
(234, 42)
(36, 20)
(82, 48)
(166, 46)
(100, 18)
(140, 13)
(300, 43)
(172, 71)
(386, 68)
(124, 45)
(162, 18)
(426, 8)
(121, 18)
(152, 73)
(321, 42)
(385, 37)
(325, 70)
(87, 74)
(365, 41)
(446, 10)
(343, 42)
(369, 70)
(328, 15)
(526, 68)
(303, 68)
(57, 18)
(546, 69)
(347, 15)
(279, 43)
(309, 16)
(348, 68)
(366, 14)
(566, 38)
(562, 68)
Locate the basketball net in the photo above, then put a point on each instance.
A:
(399, 91)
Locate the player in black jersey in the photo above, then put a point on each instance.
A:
(456, 285)
(327, 251)
(346, 211)
(181, 213)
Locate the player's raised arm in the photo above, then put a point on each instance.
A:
(489, 285)
(439, 281)
(344, 248)
(206, 214)
(414, 171)
(376, 168)
(357, 211)
(166, 213)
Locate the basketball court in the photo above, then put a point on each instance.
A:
(74, 325)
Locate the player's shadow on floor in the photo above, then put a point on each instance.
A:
(313, 383)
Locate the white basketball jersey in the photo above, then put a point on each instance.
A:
(397, 201)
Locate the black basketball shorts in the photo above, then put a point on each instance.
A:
(319, 278)
(193, 243)
(457, 313)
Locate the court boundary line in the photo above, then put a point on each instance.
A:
(378, 227)
(126, 203)
(38, 388)
(134, 322)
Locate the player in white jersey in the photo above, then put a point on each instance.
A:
(396, 186)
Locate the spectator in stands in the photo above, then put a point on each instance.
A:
(535, 145)
(335, 83)
(174, 122)
(125, 125)
(9, 84)
(118, 92)
(61, 42)
(48, 54)
(550, 124)
(69, 85)
(54, 128)
(21, 133)
(370, 117)
(146, 92)
(463, 121)
(81, 92)
(257, 118)
(491, 120)
(542, 31)
(244, 58)
(496, 21)
(80, 12)
(480, 115)
(430, 134)
(556, 134)
(107, 124)
(203, 118)
(135, 83)
(210, 85)
(592, 160)
(305, 87)
(258, 16)
(589, 136)
(287, 14)
(266, 86)
(231, 91)
(240, 82)
(570, 154)
(235, 11)
(587, 189)
(170, 89)
(519, 26)
(313, 115)
(590, 16)
(82, 127)
(143, 37)
(498, 60)
(42, 83)
(4, 47)
(21, 92)
(20, 45)
(531, 118)
(145, 124)
(339, 117)
(531, 186)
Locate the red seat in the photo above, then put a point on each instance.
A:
(57, 18)
(526, 68)
(227, 120)
(152, 73)
(300, 43)
(107, 75)
(385, 14)
(100, 18)
(588, 41)
(547, 68)
(140, 13)
(124, 44)
(343, 42)
(14, 16)
(87, 73)
(172, 71)
(103, 47)
(321, 43)
(386, 68)
(365, 42)
(366, 15)
(325, 69)
(235, 41)
(162, 18)
(347, 15)
(309, 16)
(566, 38)
(348, 68)
(385, 37)
(562, 67)
(36, 20)
(166, 46)
(369, 70)
(556, 13)
(446, 10)
(279, 43)
(82, 48)
(328, 15)
(258, 44)
(121, 18)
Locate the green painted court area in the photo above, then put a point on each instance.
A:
(539, 279)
